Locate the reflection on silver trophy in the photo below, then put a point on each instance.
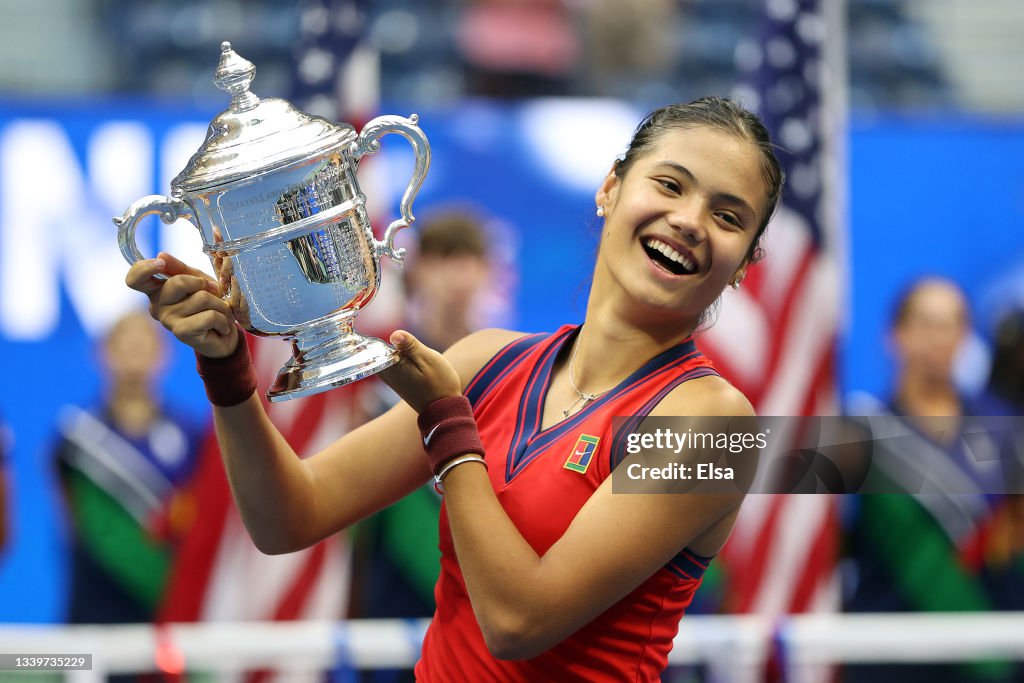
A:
(274, 194)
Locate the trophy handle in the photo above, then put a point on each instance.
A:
(369, 142)
(169, 209)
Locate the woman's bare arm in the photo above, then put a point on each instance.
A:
(286, 502)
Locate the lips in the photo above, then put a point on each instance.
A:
(673, 258)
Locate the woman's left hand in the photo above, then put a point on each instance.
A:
(422, 375)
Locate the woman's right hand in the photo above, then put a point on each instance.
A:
(189, 303)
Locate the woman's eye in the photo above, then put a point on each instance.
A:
(669, 185)
(730, 219)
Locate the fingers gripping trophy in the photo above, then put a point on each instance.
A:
(274, 194)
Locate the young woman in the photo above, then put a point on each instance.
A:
(546, 575)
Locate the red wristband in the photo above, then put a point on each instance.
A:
(230, 380)
(448, 429)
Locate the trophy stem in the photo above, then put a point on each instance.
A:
(329, 354)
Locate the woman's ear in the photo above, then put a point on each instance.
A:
(738, 276)
(605, 195)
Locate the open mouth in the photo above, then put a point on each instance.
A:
(668, 258)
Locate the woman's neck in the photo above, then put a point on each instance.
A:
(615, 341)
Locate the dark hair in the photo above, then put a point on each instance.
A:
(725, 115)
(1007, 377)
(455, 232)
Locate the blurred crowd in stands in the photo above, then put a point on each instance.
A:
(434, 51)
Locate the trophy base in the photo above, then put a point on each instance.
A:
(330, 363)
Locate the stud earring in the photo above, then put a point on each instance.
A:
(600, 210)
(736, 283)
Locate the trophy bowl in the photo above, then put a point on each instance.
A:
(274, 194)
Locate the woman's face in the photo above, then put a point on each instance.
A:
(679, 225)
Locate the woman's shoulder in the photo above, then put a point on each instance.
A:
(472, 352)
(705, 396)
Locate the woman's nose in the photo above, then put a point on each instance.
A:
(688, 219)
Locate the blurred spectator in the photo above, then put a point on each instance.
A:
(397, 559)
(626, 48)
(442, 282)
(121, 466)
(518, 48)
(1006, 380)
(951, 550)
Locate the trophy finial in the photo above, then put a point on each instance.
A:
(234, 74)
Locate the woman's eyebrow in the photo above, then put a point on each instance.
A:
(676, 166)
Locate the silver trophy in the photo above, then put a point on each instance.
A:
(274, 194)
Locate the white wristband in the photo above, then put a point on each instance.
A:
(452, 464)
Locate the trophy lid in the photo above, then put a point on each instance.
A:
(253, 135)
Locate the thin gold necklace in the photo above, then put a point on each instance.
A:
(581, 396)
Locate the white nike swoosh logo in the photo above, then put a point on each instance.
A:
(430, 434)
(581, 452)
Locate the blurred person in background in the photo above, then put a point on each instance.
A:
(956, 550)
(445, 282)
(1005, 387)
(625, 48)
(121, 467)
(397, 554)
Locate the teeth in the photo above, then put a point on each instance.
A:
(670, 253)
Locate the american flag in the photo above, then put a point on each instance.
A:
(219, 575)
(776, 336)
(335, 69)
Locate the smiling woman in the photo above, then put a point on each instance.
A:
(702, 182)
(546, 575)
